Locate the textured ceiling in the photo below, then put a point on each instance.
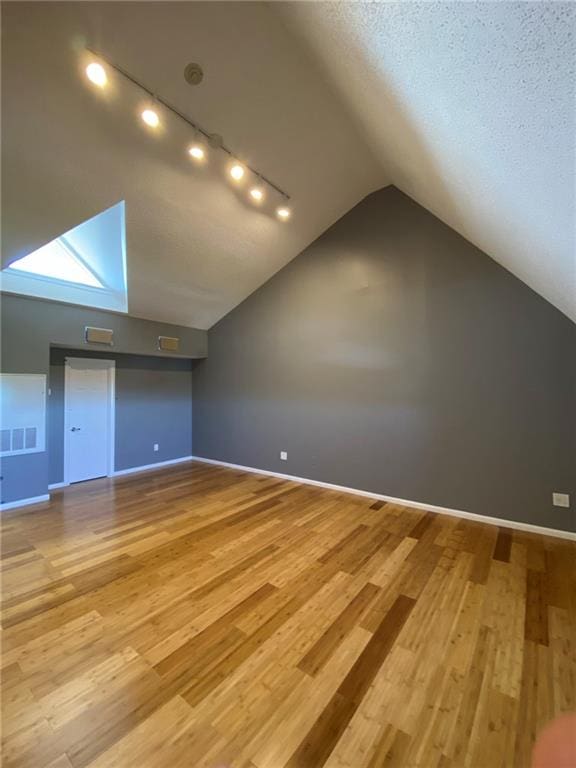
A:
(195, 248)
(470, 109)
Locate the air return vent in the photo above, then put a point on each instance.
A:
(99, 336)
(168, 343)
(18, 440)
(22, 413)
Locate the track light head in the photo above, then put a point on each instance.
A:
(237, 171)
(196, 151)
(150, 118)
(96, 73)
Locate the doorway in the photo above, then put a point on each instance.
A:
(89, 418)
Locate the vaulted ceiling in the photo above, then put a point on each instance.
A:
(468, 108)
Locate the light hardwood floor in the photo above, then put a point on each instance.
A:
(200, 616)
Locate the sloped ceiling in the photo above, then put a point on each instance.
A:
(195, 248)
(466, 107)
(470, 109)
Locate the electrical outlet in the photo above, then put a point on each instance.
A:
(283, 456)
(561, 499)
(156, 447)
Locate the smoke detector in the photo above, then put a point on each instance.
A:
(193, 74)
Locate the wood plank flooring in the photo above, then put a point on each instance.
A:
(201, 617)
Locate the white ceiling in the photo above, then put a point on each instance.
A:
(195, 248)
(467, 107)
(470, 108)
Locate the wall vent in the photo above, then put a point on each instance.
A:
(22, 413)
(168, 343)
(20, 439)
(99, 336)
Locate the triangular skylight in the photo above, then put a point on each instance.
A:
(57, 261)
(86, 265)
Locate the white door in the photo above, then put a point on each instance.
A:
(89, 402)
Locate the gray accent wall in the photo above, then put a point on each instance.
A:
(30, 327)
(153, 405)
(395, 357)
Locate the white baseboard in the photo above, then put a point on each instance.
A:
(24, 502)
(157, 465)
(403, 502)
(131, 470)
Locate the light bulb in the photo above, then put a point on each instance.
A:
(96, 74)
(150, 118)
(237, 171)
(196, 152)
(257, 194)
(283, 213)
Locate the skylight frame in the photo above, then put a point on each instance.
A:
(64, 245)
(95, 248)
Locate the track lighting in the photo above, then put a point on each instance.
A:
(96, 74)
(201, 140)
(237, 172)
(150, 118)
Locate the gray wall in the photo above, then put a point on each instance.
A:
(153, 405)
(395, 357)
(31, 326)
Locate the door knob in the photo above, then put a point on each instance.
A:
(75, 429)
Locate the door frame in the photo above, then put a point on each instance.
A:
(96, 363)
